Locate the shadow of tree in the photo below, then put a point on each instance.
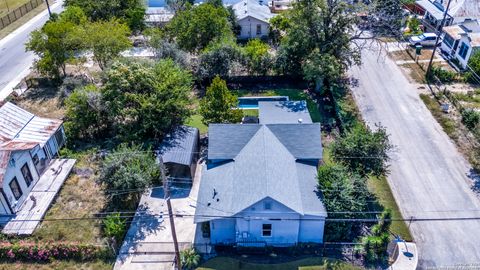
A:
(144, 223)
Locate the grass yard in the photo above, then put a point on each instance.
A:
(470, 99)
(314, 263)
(196, 121)
(384, 199)
(447, 123)
(381, 190)
(293, 94)
(58, 265)
(79, 197)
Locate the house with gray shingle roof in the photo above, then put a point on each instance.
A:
(260, 184)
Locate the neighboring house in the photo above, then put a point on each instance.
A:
(463, 9)
(253, 17)
(460, 41)
(433, 14)
(27, 144)
(259, 186)
(180, 151)
(278, 6)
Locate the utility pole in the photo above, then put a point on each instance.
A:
(429, 69)
(48, 7)
(166, 190)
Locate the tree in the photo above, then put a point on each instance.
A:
(259, 60)
(132, 12)
(85, 116)
(165, 49)
(363, 150)
(106, 39)
(375, 245)
(219, 58)
(278, 27)
(55, 44)
(387, 17)
(130, 168)
(318, 29)
(473, 74)
(195, 27)
(145, 101)
(344, 194)
(219, 105)
(115, 227)
(189, 258)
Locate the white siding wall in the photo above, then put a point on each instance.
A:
(287, 226)
(20, 158)
(4, 210)
(311, 230)
(249, 28)
(470, 52)
(222, 231)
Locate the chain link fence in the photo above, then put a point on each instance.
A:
(19, 12)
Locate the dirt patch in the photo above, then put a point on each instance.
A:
(42, 101)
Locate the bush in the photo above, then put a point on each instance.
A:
(445, 76)
(114, 227)
(189, 258)
(129, 168)
(364, 150)
(471, 119)
(46, 252)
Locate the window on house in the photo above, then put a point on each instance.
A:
(15, 188)
(267, 230)
(463, 50)
(259, 29)
(36, 160)
(448, 40)
(267, 205)
(27, 175)
(59, 137)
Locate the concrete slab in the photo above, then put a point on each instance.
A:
(148, 243)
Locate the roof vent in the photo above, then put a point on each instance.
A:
(300, 120)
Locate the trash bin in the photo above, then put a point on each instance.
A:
(418, 49)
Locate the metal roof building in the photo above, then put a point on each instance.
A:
(179, 151)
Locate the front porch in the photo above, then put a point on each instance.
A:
(36, 205)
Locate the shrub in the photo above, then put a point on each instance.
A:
(445, 76)
(114, 227)
(471, 118)
(368, 148)
(189, 258)
(25, 251)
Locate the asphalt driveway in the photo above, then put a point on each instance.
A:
(429, 178)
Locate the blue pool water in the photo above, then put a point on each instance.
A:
(247, 106)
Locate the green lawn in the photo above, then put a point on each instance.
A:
(293, 94)
(381, 190)
(384, 199)
(314, 263)
(196, 121)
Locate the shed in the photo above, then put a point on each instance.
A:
(180, 151)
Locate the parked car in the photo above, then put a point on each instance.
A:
(425, 39)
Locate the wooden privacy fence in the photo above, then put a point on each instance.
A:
(19, 12)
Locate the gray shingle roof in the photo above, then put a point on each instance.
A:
(265, 164)
(180, 145)
(275, 112)
(252, 8)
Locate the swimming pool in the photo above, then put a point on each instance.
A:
(252, 102)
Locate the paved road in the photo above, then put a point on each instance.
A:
(429, 178)
(14, 61)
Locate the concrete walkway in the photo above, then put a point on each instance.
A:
(149, 243)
